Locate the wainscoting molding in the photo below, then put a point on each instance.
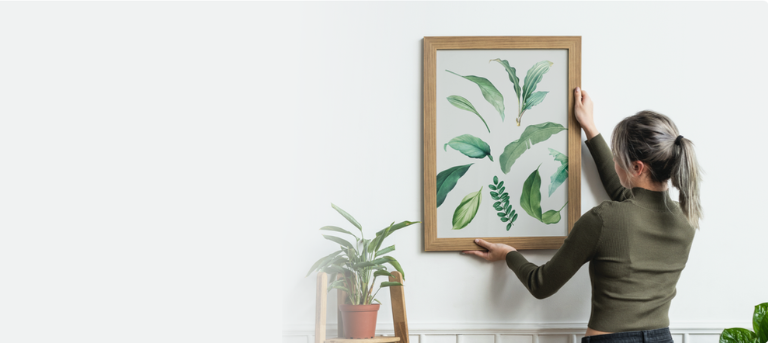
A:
(510, 332)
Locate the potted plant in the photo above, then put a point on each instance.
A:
(759, 324)
(359, 264)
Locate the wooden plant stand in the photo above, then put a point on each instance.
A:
(397, 298)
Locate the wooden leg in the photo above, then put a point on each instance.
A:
(342, 296)
(397, 297)
(320, 307)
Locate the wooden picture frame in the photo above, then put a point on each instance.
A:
(462, 47)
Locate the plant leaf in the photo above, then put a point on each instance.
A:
(509, 225)
(348, 216)
(532, 134)
(382, 273)
(561, 174)
(340, 241)
(737, 335)
(501, 184)
(470, 146)
(387, 284)
(385, 250)
(512, 73)
(535, 99)
(447, 179)
(550, 217)
(530, 199)
(322, 261)
(495, 180)
(490, 93)
(394, 228)
(464, 104)
(337, 229)
(760, 322)
(492, 187)
(533, 77)
(467, 209)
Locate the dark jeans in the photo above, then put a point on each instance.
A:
(644, 336)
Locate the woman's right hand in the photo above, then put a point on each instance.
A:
(582, 109)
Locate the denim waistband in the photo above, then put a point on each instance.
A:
(643, 336)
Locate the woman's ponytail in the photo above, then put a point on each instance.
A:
(686, 177)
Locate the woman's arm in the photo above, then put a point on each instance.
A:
(578, 248)
(583, 110)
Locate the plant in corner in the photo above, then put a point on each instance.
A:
(759, 324)
(358, 264)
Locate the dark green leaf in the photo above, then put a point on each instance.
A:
(497, 207)
(495, 180)
(505, 196)
(738, 335)
(497, 203)
(561, 174)
(508, 210)
(467, 209)
(505, 203)
(490, 93)
(382, 273)
(501, 214)
(530, 199)
(492, 187)
(514, 217)
(464, 104)
(509, 225)
(501, 184)
(494, 194)
(394, 228)
(348, 216)
(447, 179)
(532, 134)
(504, 219)
(760, 322)
(388, 284)
(501, 190)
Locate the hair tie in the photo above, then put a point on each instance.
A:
(677, 140)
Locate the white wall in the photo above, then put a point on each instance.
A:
(164, 167)
(356, 109)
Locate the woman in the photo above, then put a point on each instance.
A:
(638, 243)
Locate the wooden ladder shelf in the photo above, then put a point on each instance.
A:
(397, 298)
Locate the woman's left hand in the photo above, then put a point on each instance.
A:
(496, 251)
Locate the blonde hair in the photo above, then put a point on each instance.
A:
(653, 138)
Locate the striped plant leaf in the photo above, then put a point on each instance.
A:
(490, 93)
(464, 104)
(470, 146)
(447, 179)
(532, 134)
(561, 174)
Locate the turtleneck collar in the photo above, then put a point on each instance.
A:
(652, 199)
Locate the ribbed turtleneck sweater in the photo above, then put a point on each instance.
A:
(637, 245)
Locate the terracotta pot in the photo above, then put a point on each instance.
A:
(359, 320)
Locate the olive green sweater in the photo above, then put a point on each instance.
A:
(637, 245)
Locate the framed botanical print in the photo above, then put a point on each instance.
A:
(502, 149)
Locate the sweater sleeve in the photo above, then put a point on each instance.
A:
(578, 248)
(605, 167)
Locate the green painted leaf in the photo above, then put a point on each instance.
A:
(490, 93)
(512, 73)
(501, 184)
(467, 210)
(496, 180)
(494, 197)
(447, 179)
(535, 99)
(508, 210)
(464, 104)
(348, 217)
(492, 187)
(530, 199)
(494, 194)
(561, 174)
(501, 214)
(501, 190)
(509, 225)
(514, 217)
(533, 77)
(738, 335)
(760, 322)
(470, 146)
(532, 134)
(497, 207)
(550, 217)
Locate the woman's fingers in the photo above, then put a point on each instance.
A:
(483, 243)
(577, 95)
(482, 254)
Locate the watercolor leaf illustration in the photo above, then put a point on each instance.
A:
(527, 98)
(532, 134)
(530, 200)
(490, 93)
(502, 205)
(561, 174)
(467, 209)
(470, 146)
(464, 104)
(447, 179)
